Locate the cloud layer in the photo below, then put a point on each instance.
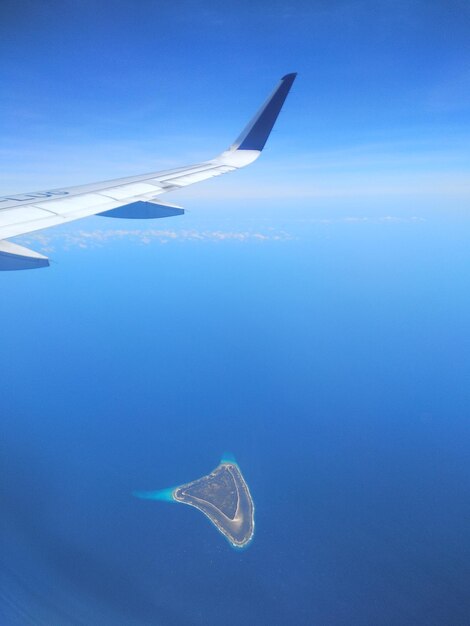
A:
(54, 239)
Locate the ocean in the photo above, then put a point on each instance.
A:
(330, 356)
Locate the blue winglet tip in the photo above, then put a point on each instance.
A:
(255, 135)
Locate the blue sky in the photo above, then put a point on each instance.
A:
(380, 111)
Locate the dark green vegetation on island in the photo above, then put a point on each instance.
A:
(223, 496)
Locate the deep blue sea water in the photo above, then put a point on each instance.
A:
(333, 365)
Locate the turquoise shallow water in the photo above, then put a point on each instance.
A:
(165, 495)
(333, 365)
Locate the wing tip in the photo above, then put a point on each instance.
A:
(256, 134)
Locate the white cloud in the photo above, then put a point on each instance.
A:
(54, 239)
(66, 238)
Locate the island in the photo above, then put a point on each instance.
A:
(223, 496)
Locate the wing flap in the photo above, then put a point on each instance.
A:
(75, 203)
(132, 190)
(190, 179)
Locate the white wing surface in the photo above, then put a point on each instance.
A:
(133, 197)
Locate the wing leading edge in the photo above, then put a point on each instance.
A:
(132, 197)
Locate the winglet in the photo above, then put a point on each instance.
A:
(257, 132)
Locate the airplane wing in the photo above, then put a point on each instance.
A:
(133, 197)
